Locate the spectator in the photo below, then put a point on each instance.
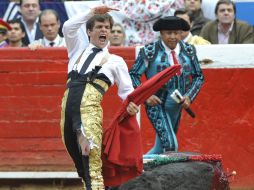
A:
(49, 25)
(226, 29)
(117, 37)
(196, 15)
(187, 36)
(30, 10)
(4, 27)
(16, 34)
(162, 111)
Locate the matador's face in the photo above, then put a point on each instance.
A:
(99, 35)
(171, 37)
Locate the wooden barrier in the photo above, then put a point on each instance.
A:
(32, 84)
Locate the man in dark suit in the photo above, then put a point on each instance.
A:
(49, 25)
(30, 10)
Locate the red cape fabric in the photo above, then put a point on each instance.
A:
(122, 153)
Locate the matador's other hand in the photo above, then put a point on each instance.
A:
(132, 108)
(186, 102)
(84, 144)
(153, 100)
(103, 9)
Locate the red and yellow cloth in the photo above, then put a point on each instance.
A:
(4, 25)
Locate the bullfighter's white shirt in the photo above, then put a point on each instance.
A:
(77, 43)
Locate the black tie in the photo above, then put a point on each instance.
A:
(51, 44)
(89, 60)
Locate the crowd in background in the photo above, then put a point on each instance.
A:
(47, 0)
(35, 26)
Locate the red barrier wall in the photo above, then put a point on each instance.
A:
(32, 84)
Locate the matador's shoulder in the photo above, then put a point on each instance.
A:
(149, 51)
(188, 49)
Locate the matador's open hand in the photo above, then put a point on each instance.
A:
(103, 9)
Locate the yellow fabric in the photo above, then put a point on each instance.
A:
(197, 40)
(63, 106)
(62, 121)
(91, 116)
(3, 27)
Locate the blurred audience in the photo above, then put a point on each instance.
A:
(117, 36)
(30, 10)
(187, 36)
(49, 25)
(4, 27)
(226, 29)
(196, 15)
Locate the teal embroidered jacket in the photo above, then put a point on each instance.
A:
(152, 59)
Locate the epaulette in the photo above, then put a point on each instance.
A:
(149, 51)
(188, 49)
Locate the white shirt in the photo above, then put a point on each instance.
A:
(223, 37)
(31, 33)
(77, 43)
(187, 38)
(58, 42)
(168, 51)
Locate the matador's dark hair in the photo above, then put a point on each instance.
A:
(99, 18)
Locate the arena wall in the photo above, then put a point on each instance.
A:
(32, 84)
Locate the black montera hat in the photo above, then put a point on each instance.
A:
(171, 23)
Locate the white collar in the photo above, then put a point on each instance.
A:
(229, 30)
(177, 48)
(56, 40)
(34, 24)
(91, 46)
(187, 38)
